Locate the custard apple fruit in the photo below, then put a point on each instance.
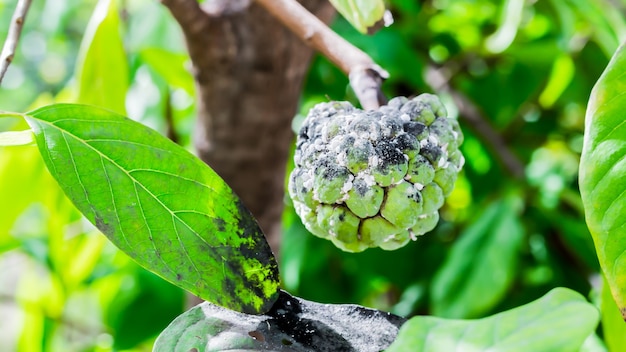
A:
(375, 178)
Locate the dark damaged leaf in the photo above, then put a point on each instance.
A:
(293, 324)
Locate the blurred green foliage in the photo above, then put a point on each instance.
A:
(523, 69)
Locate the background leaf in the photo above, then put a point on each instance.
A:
(171, 66)
(481, 265)
(158, 203)
(101, 57)
(362, 14)
(603, 174)
(559, 321)
(130, 311)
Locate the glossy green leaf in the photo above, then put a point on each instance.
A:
(602, 175)
(102, 69)
(559, 321)
(613, 327)
(160, 204)
(486, 254)
(362, 14)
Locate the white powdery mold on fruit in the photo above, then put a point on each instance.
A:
(301, 208)
(342, 159)
(347, 186)
(308, 180)
(319, 145)
(373, 161)
(368, 178)
(334, 145)
(371, 174)
(316, 195)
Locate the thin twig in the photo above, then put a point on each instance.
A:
(15, 29)
(470, 113)
(365, 75)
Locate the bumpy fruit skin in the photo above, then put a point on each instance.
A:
(367, 179)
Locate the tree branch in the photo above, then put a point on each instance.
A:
(470, 113)
(15, 29)
(188, 14)
(365, 75)
(248, 70)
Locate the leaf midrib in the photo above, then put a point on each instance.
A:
(135, 182)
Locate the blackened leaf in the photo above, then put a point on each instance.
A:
(293, 324)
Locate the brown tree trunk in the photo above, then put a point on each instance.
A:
(248, 70)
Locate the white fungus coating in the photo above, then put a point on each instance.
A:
(349, 161)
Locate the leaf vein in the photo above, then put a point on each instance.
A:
(150, 237)
(182, 245)
(54, 167)
(605, 137)
(64, 132)
(110, 140)
(173, 175)
(608, 102)
(109, 183)
(80, 182)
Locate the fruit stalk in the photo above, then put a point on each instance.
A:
(365, 75)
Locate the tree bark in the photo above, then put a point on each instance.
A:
(249, 71)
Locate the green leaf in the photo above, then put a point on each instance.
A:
(602, 176)
(613, 327)
(559, 321)
(170, 66)
(102, 69)
(362, 14)
(562, 74)
(486, 254)
(158, 203)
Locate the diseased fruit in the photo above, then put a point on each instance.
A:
(375, 178)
